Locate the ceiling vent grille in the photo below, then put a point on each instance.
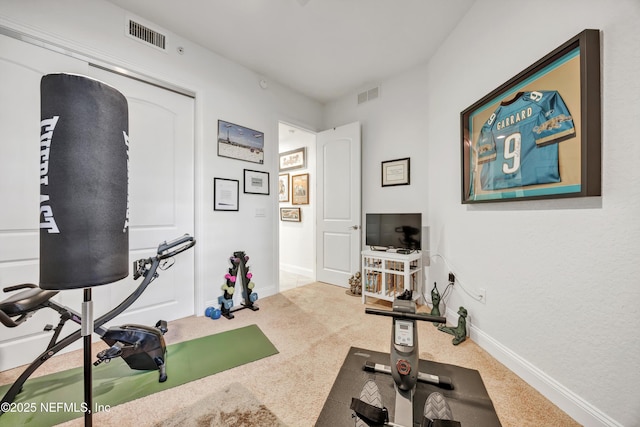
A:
(146, 34)
(368, 95)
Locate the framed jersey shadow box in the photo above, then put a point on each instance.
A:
(538, 136)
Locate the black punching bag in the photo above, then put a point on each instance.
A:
(84, 212)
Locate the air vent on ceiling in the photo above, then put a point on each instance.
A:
(145, 34)
(368, 95)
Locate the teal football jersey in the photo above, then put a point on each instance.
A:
(517, 145)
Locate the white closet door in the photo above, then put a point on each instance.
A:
(161, 188)
(161, 197)
(22, 66)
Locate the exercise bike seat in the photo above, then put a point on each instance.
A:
(23, 303)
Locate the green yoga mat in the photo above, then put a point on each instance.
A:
(56, 398)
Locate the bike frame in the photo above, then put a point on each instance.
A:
(144, 267)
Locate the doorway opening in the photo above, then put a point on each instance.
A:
(297, 207)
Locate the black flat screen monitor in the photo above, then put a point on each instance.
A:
(394, 230)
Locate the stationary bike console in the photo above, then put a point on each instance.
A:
(403, 333)
(404, 358)
(404, 345)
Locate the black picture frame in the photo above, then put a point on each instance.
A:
(396, 172)
(226, 194)
(256, 182)
(571, 75)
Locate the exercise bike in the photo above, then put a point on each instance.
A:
(141, 347)
(404, 361)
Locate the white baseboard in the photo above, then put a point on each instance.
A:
(576, 407)
(294, 269)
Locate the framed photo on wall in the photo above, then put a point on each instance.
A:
(225, 194)
(300, 189)
(239, 142)
(283, 187)
(294, 159)
(290, 214)
(396, 172)
(538, 135)
(256, 182)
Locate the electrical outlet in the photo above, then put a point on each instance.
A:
(483, 295)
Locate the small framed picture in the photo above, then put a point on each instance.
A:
(300, 189)
(225, 194)
(290, 214)
(294, 159)
(396, 172)
(256, 182)
(283, 187)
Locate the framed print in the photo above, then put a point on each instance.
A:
(225, 194)
(290, 214)
(396, 172)
(256, 182)
(294, 159)
(300, 189)
(283, 187)
(538, 135)
(239, 142)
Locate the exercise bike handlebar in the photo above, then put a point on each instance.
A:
(147, 268)
(18, 287)
(166, 249)
(410, 316)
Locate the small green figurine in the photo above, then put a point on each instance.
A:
(460, 331)
(435, 300)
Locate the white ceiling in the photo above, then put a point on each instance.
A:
(321, 48)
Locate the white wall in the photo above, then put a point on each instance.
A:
(297, 239)
(394, 126)
(224, 90)
(562, 307)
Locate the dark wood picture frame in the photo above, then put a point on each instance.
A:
(300, 189)
(396, 172)
(290, 215)
(570, 73)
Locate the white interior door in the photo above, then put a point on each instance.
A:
(161, 191)
(338, 214)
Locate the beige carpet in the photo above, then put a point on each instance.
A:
(313, 327)
(234, 405)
